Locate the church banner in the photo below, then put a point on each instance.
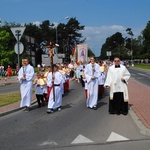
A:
(82, 52)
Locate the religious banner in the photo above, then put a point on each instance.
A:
(82, 52)
(73, 56)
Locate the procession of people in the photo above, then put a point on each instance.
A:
(51, 86)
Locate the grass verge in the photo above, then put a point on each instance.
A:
(9, 98)
(142, 66)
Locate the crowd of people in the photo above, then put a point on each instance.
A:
(8, 72)
(53, 83)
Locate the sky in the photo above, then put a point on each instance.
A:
(101, 18)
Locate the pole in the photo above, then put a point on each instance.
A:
(56, 35)
(18, 42)
(57, 26)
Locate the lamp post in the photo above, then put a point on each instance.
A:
(57, 26)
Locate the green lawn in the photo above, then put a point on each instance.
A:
(142, 66)
(9, 98)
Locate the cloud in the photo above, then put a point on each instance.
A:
(37, 23)
(96, 36)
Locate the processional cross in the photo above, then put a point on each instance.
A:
(51, 54)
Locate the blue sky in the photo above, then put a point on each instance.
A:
(101, 18)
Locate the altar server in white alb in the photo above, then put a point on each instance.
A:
(117, 79)
(92, 73)
(54, 80)
(25, 77)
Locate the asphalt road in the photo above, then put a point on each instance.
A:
(140, 75)
(74, 128)
(9, 88)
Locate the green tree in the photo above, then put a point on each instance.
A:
(7, 54)
(146, 36)
(90, 53)
(70, 33)
(115, 44)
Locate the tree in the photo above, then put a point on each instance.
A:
(90, 53)
(114, 44)
(68, 36)
(146, 36)
(7, 54)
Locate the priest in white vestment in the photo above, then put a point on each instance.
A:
(117, 80)
(92, 73)
(55, 99)
(25, 77)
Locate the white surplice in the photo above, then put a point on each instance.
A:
(56, 102)
(92, 84)
(26, 85)
(113, 80)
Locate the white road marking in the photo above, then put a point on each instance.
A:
(142, 74)
(48, 143)
(81, 139)
(116, 137)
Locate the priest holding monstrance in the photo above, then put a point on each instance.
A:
(92, 73)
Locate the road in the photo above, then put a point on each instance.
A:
(9, 88)
(74, 128)
(142, 76)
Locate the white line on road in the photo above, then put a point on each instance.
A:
(142, 74)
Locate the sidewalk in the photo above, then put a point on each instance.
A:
(139, 102)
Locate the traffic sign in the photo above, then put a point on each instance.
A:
(17, 31)
(20, 49)
(108, 53)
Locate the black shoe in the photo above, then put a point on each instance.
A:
(112, 113)
(27, 109)
(118, 113)
(124, 114)
(95, 108)
(50, 111)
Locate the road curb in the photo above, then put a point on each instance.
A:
(4, 84)
(140, 126)
(15, 109)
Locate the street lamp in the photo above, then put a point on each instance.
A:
(57, 26)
